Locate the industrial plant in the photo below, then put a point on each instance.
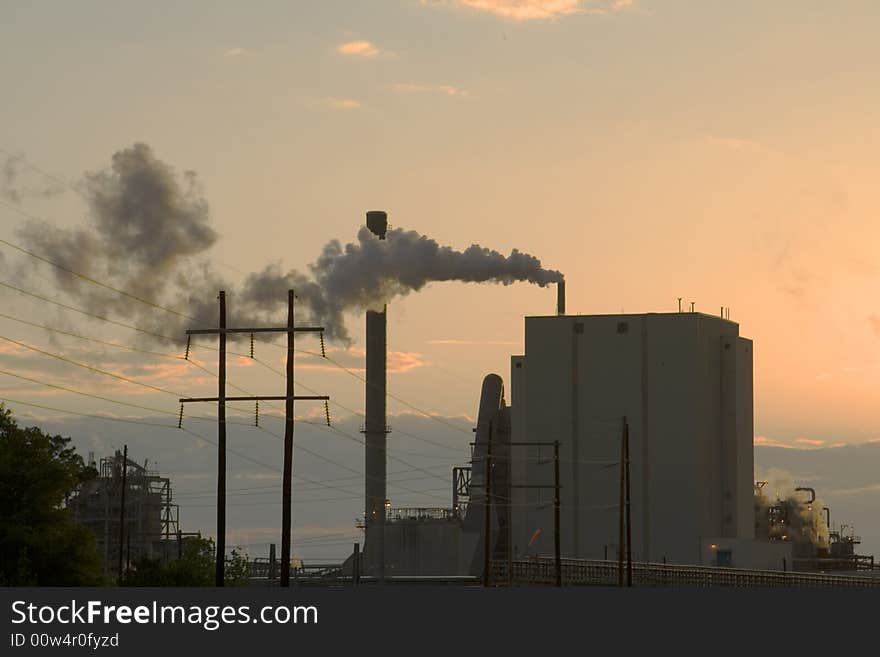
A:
(619, 438)
(619, 449)
(130, 510)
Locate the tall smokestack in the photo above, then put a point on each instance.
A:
(560, 297)
(375, 426)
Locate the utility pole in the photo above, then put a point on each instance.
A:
(556, 504)
(629, 565)
(487, 551)
(289, 398)
(220, 557)
(356, 565)
(122, 508)
(620, 519)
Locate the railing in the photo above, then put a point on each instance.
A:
(541, 571)
(419, 513)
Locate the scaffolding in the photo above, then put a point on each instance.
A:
(151, 525)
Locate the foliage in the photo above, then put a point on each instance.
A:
(40, 542)
(195, 567)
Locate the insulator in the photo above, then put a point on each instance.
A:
(252, 345)
(327, 412)
(323, 353)
(256, 413)
(186, 355)
(180, 418)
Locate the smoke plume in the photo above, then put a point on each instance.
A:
(370, 273)
(17, 184)
(150, 232)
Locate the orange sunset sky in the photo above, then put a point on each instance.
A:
(722, 152)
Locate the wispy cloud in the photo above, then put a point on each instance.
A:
(342, 103)
(358, 48)
(764, 441)
(452, 342)
(236, 52)
(441, 89)
(353, 359)
(530, 10)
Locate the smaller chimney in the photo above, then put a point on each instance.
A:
(560, 298)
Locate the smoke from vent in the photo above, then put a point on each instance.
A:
(150, 232)
(368, 274)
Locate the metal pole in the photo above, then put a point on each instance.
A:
(356, 565)
(122, 508)
(221, 449)
(620, 520)
(288, 451)
(629, 565)
(556, 546)
(487, 528)
(273, 562)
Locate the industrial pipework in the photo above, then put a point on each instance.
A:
(375, 426)
(811, 491)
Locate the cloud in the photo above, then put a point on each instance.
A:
(874, 321)
(359, 48)
(452, 342)
(352, 359)
(342, 103)
(236, 52)
(442, 89)
(770, 442)
(528, 10)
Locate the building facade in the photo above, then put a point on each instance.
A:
(683, 384)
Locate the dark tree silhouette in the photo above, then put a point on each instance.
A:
(40, 542)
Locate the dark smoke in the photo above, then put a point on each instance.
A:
(16, 184)
(370, 273)
(150, 229)
(148, 225)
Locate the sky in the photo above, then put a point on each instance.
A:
(720, 152)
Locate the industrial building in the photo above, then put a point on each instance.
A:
(135, 499)
(682, 382)
(549, 467)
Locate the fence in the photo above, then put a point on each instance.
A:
(541, 571)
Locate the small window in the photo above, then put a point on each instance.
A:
(622, 327)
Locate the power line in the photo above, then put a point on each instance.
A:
(78, 274)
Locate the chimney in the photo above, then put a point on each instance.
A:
(560, 298)
(375, 426)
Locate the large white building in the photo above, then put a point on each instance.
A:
(683, 381)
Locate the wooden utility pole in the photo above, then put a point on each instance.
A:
(287, 477)
(289, 398)
(487, 528)
(556, 504)
(220, 557)
(629, 565)
(122, 508)
(621, 510)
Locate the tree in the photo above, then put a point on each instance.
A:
(41, 544)
(195, 567)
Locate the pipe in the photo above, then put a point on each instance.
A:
(560, 298)
(811, 491)
(827, 512)
(375, 425)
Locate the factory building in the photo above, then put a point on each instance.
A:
(682, 382)
(149, 519)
